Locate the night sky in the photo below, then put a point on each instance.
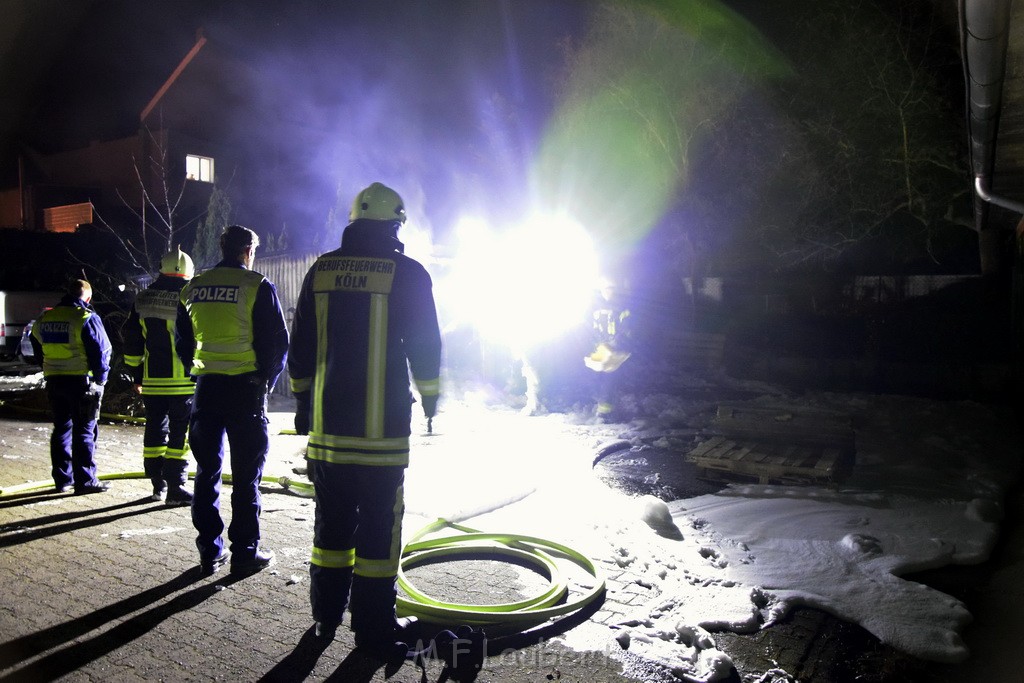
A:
(421, 77)
(445, 99)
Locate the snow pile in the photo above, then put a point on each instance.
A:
(926, 491)
(845, 558)
(15, 383)
(688, 651)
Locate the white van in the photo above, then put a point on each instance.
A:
(16, 310)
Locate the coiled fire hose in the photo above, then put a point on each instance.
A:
(537, 553)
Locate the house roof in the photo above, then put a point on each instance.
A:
(200, 42)
(212, 92)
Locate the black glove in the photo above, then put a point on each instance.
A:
(302, 413)
(429, 405)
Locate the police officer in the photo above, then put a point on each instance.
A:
(71, 344)
(161, 379)
(365, 316)
(232, 336)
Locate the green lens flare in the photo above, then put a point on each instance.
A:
(650, 79)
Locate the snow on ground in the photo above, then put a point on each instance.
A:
(16, 383)
(926, 491)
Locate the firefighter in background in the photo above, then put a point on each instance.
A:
(611, 336)
(161, 379)
(365, 317)
(231, 334)
(71, 344)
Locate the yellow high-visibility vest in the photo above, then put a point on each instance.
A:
(220, 303)
(59, 332)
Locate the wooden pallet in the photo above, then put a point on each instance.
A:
(721, 458)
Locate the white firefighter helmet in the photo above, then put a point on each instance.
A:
(378, 203)
(177, 263)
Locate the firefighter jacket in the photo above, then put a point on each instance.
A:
(71, 340)
(230, 322)
(365, 317)
(611, 324)
(149, 348)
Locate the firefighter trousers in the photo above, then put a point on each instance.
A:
(165, 439)
(357, 545)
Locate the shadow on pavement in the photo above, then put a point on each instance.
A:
(300, 662)
(13, 500)
(63, 661)
(359, 667)
(67, 522)
(535, 636)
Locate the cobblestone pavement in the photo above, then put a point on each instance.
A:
(106, 587)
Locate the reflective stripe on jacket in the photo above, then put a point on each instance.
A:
(219, 303)
(363, 320)
(59, 331)
(149, 340)
(72, 341)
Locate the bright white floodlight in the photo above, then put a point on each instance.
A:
(525, 285)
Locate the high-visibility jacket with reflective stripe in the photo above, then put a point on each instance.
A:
(220, 303)
(73, 341)
(611, 325)
(149, 340)
(365, 317)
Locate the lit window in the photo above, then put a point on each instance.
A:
(199, 168)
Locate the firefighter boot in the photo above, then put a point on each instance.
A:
(175, 474)
(378, 631)
(153, 468)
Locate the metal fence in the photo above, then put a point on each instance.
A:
(286, 271)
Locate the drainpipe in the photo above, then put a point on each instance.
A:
(984, 36)
(983, 193)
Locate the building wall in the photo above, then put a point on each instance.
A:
(10, 208)
(109, 166)
(1008, 177)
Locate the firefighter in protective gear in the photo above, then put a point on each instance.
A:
(71, 344)
(611, 335)
(161, 379)
(231, 336)
(365, 317)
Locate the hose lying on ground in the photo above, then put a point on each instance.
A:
(514, 548)
(519, 549)
(298, 487)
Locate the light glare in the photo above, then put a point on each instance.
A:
(525, 285)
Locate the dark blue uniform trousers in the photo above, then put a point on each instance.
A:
(232, 405)
(358, 507)
(73, 440)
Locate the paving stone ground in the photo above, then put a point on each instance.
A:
(106, 587)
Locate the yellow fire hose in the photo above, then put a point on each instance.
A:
(529, 550)
(524, 614)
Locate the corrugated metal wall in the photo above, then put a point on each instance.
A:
(286, 271)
